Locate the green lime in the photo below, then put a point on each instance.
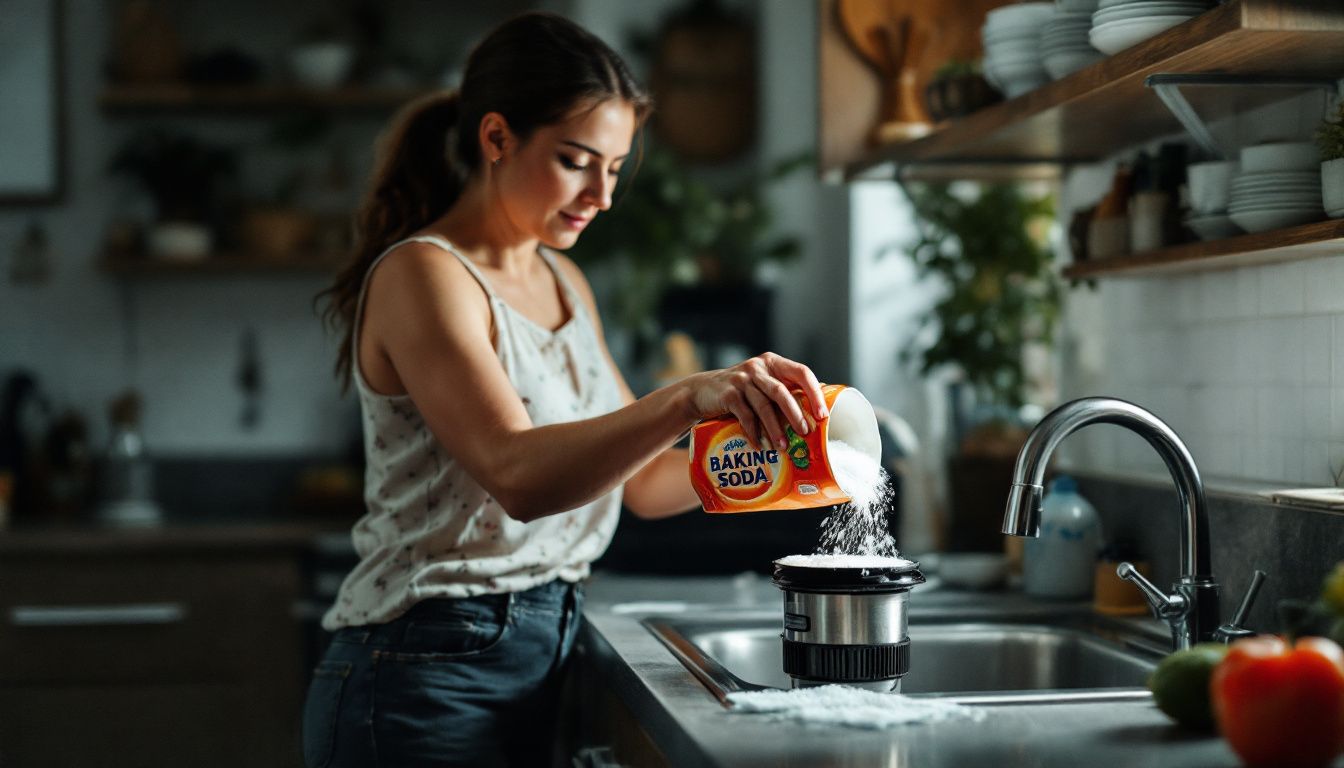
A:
(1180, 684)
(1332, 591)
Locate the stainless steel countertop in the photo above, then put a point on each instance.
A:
(691, 728)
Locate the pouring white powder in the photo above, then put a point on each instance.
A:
(855, 534)
(854, 707)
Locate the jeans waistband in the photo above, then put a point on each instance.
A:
(553, 595)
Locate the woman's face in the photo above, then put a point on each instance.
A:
(556, 182)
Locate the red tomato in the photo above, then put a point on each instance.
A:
(1281, 706)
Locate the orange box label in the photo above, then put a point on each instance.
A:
(729, 475)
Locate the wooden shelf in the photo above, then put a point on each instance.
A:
(1105, 108)
(222, 264)
(1321, 238)
(192, 98)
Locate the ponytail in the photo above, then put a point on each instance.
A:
(413, 183)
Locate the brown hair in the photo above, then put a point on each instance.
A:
(535, 70)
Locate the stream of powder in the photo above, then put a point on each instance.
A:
(858, 527)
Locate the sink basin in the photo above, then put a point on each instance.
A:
(982, 661)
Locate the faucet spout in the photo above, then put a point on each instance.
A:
(1022, 516)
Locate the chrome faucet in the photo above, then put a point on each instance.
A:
(1192, 609)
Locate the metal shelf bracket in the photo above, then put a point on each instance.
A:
(1168, 89)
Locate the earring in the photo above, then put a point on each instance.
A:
(494, 162)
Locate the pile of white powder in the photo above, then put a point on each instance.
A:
(844, 561)
(853, 707)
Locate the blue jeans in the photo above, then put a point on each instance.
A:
(472, 681)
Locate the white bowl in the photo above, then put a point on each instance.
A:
(1210, 183)
(1106, 5)
(1116, 36)
(1019, 14)
(1281, 156)
(1244, 181)
(972, 570)
(322, 66)
(1145, 11)
(1265, 220)
(1213, 226)
(1063, 64)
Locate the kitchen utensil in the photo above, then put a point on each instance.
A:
(847, 624)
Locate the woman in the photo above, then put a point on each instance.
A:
(499, 436)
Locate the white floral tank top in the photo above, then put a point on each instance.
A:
(430, 530)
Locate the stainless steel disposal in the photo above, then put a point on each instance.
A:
(847, 624)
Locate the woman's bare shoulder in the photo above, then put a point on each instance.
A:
(416, 277)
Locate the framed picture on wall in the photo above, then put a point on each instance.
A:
(31, 90)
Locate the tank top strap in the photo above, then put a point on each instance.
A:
(571, 296)
(449, 247)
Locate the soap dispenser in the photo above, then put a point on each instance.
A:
(1060, 563)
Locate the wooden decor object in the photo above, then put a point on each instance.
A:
(704, 83)
(906, 42)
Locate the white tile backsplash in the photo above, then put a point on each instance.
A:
(1324, 284)
(1317, 404)
(1279, 412)
(1337, 353)
(1283, 335)
(1281, 290)
(1247, 366)
(1317, 336)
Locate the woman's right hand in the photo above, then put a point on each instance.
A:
(757, 392)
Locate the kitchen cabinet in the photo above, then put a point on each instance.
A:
(1106, 108)
(608, 732)
(141, 650)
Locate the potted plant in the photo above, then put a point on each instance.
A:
(183, 177)
(1330, 138)
(988, 248)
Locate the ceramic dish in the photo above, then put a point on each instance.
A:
(1116, 36)
(1214, 226)
(1264, 221)
(1281, 156)
(1063, 64)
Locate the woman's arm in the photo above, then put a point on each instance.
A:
(431, 321)
(662, 487)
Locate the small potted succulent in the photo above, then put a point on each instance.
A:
(1330, 138)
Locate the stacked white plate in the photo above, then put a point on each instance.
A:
(1265, 200)
(1119, 24)
(1064, 44)
(1012, 40)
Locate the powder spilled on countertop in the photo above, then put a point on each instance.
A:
(858, 527)
(852, 707)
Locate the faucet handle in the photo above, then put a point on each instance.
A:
(1234, 629)
(1164, 606)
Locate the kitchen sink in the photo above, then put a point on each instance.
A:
(971, 658)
